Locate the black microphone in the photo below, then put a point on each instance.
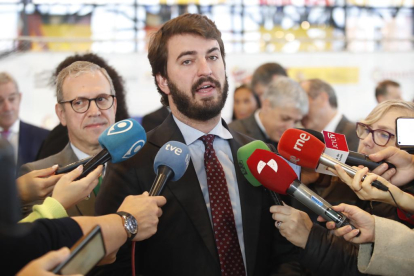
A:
(354, 158)
(72, 166)
(170, 163)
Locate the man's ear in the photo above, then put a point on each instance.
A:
(60, 112)
(266, 105)
(163, 84)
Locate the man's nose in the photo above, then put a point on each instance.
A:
(204, 68)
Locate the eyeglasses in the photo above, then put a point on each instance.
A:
(379, 136)
(81, 105)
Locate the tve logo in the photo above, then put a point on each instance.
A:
(134, 149)
(120, 127)
(271, 163)
(175, 149)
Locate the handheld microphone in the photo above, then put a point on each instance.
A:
(170, 163)
(243, 154)
(275, 174)
(306, 150)
(119, 142)
(72, 166)
(354, 158)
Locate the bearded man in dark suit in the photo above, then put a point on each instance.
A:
(187, 59)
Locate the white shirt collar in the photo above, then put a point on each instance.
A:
(334, 122)
(259, 123)
(191, 134)
(80, 154)
(15, 128)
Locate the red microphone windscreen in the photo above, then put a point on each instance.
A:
(271, 170)
(301, 148)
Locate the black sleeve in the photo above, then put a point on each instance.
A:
(327, 254)
(37, 239)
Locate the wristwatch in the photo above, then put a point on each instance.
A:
(130, 224)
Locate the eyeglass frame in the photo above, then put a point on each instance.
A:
(89, 102)
(371, 131)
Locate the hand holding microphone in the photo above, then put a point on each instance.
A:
(361, 219)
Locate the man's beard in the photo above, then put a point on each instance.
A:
(208, 108)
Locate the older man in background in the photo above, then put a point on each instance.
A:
(26, 139)
(323, 112)
(86, 104)
(284, 104)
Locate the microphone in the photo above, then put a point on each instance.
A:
(119, 142)
(354, 158)
(170, 163)
(72, 166)
(243, 154)
(275, 174)
(306, 150)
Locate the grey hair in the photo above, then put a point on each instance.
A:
(6, 78)
(76, 69)
(284, 91)
(317, 86)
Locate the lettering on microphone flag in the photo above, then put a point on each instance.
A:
(336, 147)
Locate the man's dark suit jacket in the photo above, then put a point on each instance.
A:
(347, 128)
(248, 127)
(154, 119)
(184, 243)
(30, 139)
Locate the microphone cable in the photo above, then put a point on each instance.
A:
(406, 214)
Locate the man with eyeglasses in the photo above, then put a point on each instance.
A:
(25, 138)
(86, 104)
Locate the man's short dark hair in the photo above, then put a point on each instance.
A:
(381, 89)
(317, 86)
(195, 24)
(265, 72)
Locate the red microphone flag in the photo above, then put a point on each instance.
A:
(301, 148)
(271, 170)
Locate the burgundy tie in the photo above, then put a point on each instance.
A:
(227, 242)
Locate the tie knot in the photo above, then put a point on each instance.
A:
(207, 139)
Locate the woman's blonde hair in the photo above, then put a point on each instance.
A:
(406, 108)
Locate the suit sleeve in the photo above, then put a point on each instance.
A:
(18, 249)
(327, 254)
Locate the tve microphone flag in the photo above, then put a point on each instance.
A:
(307, 151)
(119, 142)
(170, 163)
(275, 174)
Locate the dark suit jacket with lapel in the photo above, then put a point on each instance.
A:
(347, 128)
(154, 119)
(30, 139)
(248, 127)
(65, 157)
(184, 243)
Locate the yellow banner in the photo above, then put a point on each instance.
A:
(332, 75)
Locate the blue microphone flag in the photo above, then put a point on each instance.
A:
(123, 139)
(174, 155)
